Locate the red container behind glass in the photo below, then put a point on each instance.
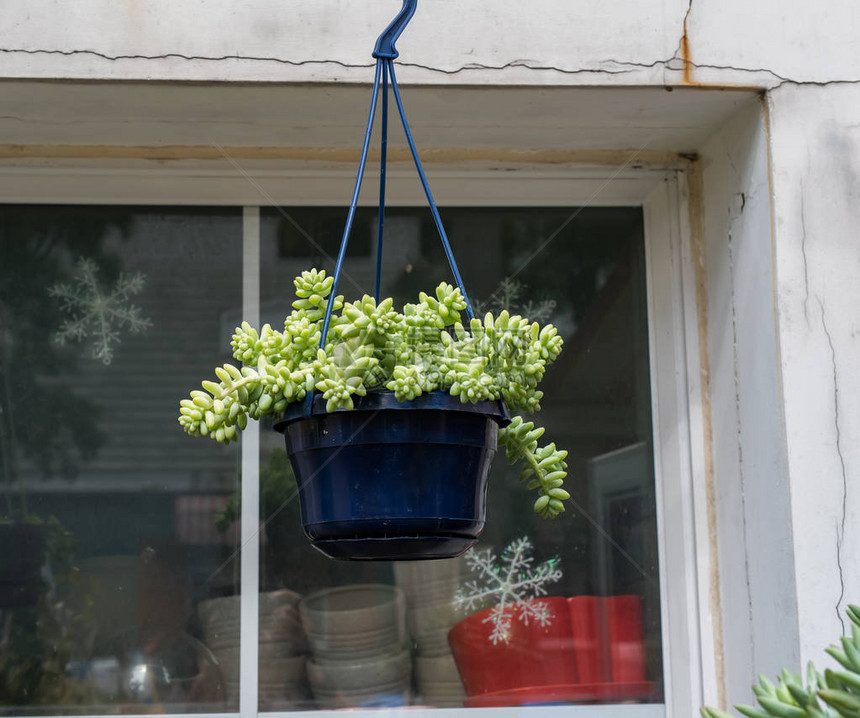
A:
(590, 639)
(626, 640)
(534, 656)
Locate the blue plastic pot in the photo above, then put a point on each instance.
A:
(390, 480)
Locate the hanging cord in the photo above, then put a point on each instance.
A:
(444, 237)
(351, 216)
(383, 158)
(385, 52)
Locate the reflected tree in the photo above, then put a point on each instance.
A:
(42, 419)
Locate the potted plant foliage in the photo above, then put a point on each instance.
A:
(391, 424)
(835, 693)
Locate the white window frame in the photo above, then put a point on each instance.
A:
(673, 324)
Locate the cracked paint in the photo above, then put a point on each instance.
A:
(524, 63)
(840, 526)
(739, 429)
(680, 62)
(803, 256)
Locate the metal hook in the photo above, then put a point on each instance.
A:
(385, 43)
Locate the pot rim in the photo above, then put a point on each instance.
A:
(384, 399)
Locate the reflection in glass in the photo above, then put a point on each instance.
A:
(108, 535)
(454, 633)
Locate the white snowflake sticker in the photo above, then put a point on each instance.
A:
(98, 314)
(514, 582)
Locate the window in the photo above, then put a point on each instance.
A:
(597, 405)
(109, 533)
(152, 520)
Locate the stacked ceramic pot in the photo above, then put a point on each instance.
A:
(282, 680)
(439, 682)
(430, 588)
(357, 636)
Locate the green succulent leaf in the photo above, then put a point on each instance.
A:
(715, 713)
(751, 712)
(544, 468)
(842, 701)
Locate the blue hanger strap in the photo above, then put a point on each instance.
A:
(445, 244)
(383, 157)
(351, 216)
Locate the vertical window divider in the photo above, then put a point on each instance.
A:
(676, 405)
(249, 552)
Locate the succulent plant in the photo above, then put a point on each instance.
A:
(833, 694)
(370, 345)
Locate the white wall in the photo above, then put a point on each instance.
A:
(542, 41)
(816, 191)
(783, 278)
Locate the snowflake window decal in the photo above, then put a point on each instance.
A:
(508, 296)
(98, 314)
(513, 581)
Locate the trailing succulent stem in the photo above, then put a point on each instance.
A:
(833, 694)
(372, 346)
(544, 468)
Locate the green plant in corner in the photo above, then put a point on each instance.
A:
(832, 694)
(371, 346)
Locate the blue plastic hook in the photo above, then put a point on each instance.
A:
(385, 43)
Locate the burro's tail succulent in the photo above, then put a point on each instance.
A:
(371, 346)
(832, 694)
(544, 468)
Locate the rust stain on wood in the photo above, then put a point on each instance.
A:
(166, 153)
(697, 232)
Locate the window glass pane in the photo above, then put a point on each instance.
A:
(110, 544)
(594, 636)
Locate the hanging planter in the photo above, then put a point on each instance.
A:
(390, 479)
(391, 418)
